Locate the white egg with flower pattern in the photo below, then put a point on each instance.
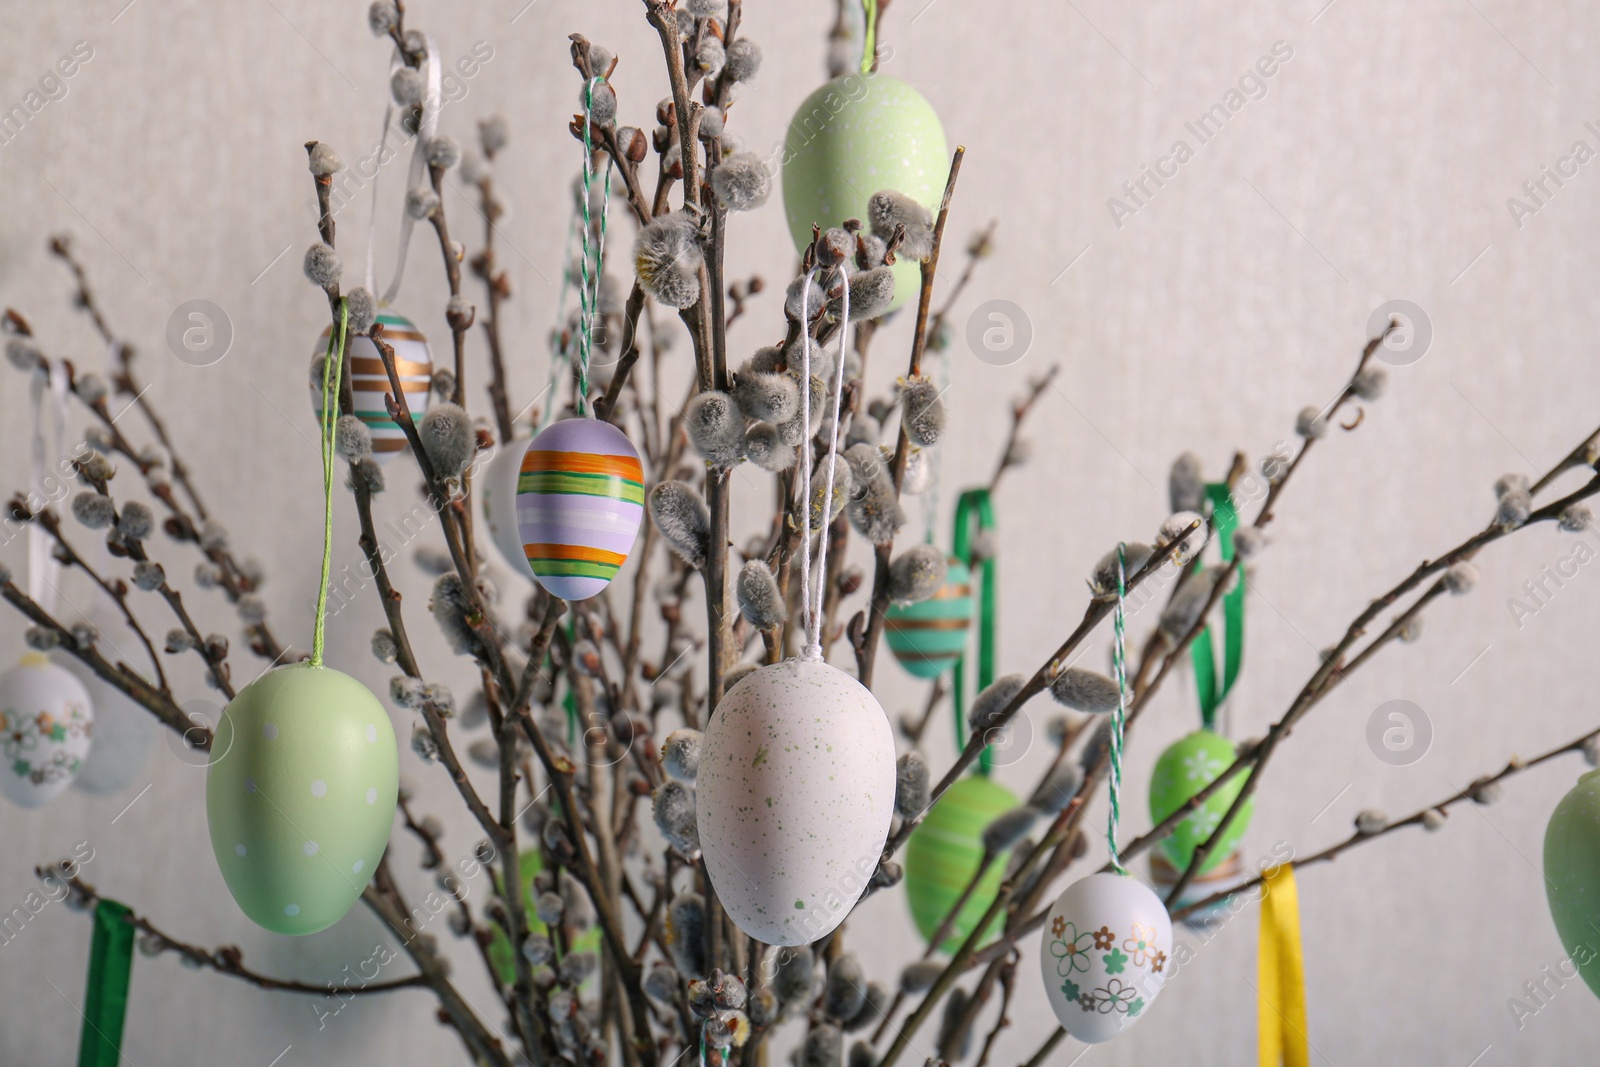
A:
(46, 726)
(1105, 954)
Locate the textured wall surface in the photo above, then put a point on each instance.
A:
(1375, 163)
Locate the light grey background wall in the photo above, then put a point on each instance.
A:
(1377, 165)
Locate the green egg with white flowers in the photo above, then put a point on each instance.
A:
(300, 795)
(1186, 767)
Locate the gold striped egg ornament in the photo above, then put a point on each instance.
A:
(945, 851)
(369, 381)
(580, 499)
(928, 637)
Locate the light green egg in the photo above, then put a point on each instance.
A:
(856, 135)
(945, 852)
(300, 795)
(1572, 875)
(1191, 764)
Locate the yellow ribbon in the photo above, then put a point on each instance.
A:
(1281, 974)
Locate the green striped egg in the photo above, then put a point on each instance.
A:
(945, 852)
(1188, 766)
(369, 380)
(1572, 875)
(855, 136)
(928, 637)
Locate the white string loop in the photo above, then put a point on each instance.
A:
(811, 615)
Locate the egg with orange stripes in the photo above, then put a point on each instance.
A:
(580, 499)
(369, 381)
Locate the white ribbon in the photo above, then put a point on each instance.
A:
(43, 569)
(811, 615)
(426, 129)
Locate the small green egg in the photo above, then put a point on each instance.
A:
(1191, 764)
(300, 796)
(854, 136)
(1572, 875)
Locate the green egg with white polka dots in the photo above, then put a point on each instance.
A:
(300, 796)
(856, 135)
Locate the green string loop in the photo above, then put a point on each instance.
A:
(975, 504)
(589, 297)
(1203, 653)
(332, 374)
(869, 35)
(1119, 663)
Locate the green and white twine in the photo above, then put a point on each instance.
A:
(1119, 664)
(589, 296)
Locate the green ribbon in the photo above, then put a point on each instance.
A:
(975, 504)
(110, 963)
(1226, 520)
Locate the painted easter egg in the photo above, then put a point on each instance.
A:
(1572, 875)
(369, 382)
(1105, 955)
(580, 498)
(794, 798)
(300, 795)
(943, 854)
(499, 950)
(856, 135)
(1163, 876)
(497, 483)
(1188, 766)
(928, 637)
(46, 728)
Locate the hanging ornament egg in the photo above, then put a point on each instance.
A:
(46, 726)
(928, 637)
(1188, 766)
(855, 136)
(369, 381)
(580, 499)
(124, 733)
(300, 795)
(1104, 955)
(498, 485)
(794, 798)
(944, 853)
(1572, 875)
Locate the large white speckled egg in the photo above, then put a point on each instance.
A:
(497, 483)
(794, 797)
(300, 795)
(1105, 955)
(46, 726)
(855, 136)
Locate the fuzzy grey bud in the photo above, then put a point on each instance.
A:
(93, 510)
(1006, 830)
(760, 602)
(1515, 507)
(741, 182)
(421, 202)
(367, 474)
(887, 209)
(743, 60)
(680, 754)
(1194, 540)
(920, 976)
(1371, 821)
(922, 411)
(795, 975)
(715, 428)
(1433, 819)
(675, 816)
(814, 300)
(683, 519)
(148, 575)
(323, 160)
(1183, 610)
(322, 266)
(453, 610)
(1575, 518)
(990, 703)
(686, 925)
(1369, 382)
(917, 574)
(766, 396)
(423, 743)
(1460, 578)
(911, 784)
(764, 446)
(41, 638)
(448, 438)
(443, 151)
(1591, 751)
(1186, 485)
(1487, 792)
(361, 308)
(662, 983)
(1085, 690)
(843, 992)
(667, 259)
(1310, 423)
(408, 86)
(352, 438)
(871, 293)
(382, 17)
(91, 387)
(1057, 791)
(1248, 541)
(136, 522)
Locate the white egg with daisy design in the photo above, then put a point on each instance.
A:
(1105, 955)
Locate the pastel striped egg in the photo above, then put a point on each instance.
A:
(945, 852)
(369, 382)
(580, 499)
(928, 637)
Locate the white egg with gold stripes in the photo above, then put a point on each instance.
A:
(369, 381)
